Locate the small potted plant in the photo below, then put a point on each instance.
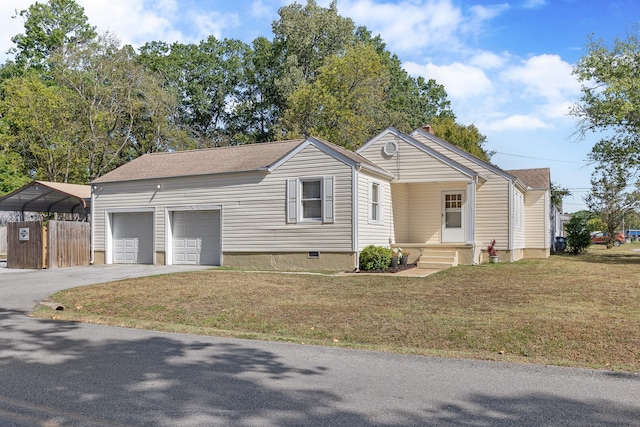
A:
(396, 256)
(493, 252)
(405, 257)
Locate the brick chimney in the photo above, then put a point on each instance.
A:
(429, 129)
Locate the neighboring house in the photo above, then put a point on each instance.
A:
(310, 204)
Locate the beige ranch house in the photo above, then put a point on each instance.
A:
(308, 204)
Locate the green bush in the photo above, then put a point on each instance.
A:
(578, 236)
(375, 258)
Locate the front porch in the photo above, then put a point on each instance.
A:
(434, 221)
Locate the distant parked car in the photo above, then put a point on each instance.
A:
(600, 238)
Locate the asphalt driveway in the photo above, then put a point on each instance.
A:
(21, 289)
(71, 374)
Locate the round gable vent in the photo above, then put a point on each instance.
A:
(390, 148)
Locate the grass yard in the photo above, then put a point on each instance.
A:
(565, 310)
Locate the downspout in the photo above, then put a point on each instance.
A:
(354, 213)
(476, 257)
(91, 226)
(512, 187)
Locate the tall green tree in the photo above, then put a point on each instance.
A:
(609, 199)
(411, 102)
(41, 129)
(120, 108)
(468, 138)
(50, 27)
(210, 82)
(12, 172)
(308, 34)
(346, 102)
(610, 101)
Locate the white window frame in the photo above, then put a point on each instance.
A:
(294, 201)
(375, 206)
(519, 210)
(302, 200)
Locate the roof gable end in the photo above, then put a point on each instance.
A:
(422, 147)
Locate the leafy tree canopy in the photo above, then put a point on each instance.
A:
(610, 101)
(49, 27)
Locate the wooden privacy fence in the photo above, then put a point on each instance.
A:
(59, 244)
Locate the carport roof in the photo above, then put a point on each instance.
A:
(43, 196)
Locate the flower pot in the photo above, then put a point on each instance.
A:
(404, 260)
(394, 262)
(493, 259)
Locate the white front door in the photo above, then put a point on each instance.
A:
(453, 216)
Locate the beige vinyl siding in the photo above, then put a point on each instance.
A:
(411, 164)
(536, 208)
(253, 205)
(492, 212)
(425, 216)
(374, 233)
(400, 202)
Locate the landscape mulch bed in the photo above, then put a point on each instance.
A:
(390, 269)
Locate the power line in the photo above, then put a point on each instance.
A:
(540, 158)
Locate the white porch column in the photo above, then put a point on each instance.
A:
(471, 212)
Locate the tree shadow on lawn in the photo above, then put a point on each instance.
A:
(613, 259)
(78, 374)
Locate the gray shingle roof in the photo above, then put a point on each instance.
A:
(539, 178)
(240, 158)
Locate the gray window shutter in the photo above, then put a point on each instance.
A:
(292, 200)
(327, 199)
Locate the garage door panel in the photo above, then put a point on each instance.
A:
(196, 237)
(133, 238)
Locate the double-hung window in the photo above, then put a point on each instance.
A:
(310, 199)
(375, 206)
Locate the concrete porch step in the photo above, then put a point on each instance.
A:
(438, 259)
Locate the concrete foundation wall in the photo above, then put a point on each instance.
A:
(291, 261)
(537, 253)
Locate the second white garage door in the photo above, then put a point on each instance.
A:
(196, 237)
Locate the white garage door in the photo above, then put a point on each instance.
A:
(132, 238)
(196, 237)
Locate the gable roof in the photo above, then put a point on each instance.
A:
(209, 161)
(264, 157)
(534, 179)
(469, 156)
(45, 196)
(422, 147)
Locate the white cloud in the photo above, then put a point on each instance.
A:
(460, 81)
(484, 13)
(533, 4)
(520, 122)
(546, 76)
(487, 60)
(408, 24)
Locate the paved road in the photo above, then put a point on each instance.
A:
(69, 374)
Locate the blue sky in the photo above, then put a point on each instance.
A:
(505, 65)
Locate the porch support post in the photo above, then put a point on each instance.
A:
(471, 211)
